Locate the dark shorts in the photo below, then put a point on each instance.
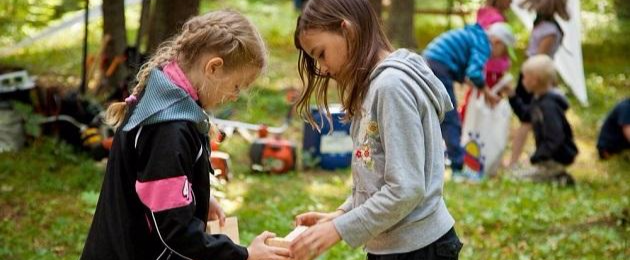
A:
(446, 247)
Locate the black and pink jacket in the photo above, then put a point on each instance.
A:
(155, 195)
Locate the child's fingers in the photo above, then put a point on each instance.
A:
(222, 221)
(280, 251)
(265, 235)
(325, 219)
(307, 219)
(221, 218)
(301, 219)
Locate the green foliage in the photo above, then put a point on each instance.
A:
(57, 55)
(622, 9)
(18, 18)
(275, 21)
(256, 104)
(31, 120)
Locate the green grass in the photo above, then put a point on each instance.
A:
(48, 192)
(497, 219)
(47, 197)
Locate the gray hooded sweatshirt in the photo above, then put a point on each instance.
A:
(396, 204)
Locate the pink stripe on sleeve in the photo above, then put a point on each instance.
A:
(165, 194)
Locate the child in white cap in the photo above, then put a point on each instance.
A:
(461, 55)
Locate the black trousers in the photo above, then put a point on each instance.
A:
(446, 247)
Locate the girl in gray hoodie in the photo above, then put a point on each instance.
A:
(395, 105)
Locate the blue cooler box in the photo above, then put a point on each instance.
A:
(333, 150)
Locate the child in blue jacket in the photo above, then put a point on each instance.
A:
(461, 55)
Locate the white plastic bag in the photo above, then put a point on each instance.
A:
(485, 131)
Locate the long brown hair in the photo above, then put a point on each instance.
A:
(225, 33)
(548, 7)
(499, 4)
(365, 39)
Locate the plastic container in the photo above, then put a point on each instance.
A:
(12, 136)
(332, 150)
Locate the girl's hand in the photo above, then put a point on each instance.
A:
(507, 91)
(312, 218)
(314, 241)
(491, 98)
(215, 211)
(258, 250)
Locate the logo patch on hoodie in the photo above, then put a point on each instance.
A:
(368, 133)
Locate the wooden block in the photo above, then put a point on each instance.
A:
(285, 242)
(296, 232)
(278, 242)
(230, 229)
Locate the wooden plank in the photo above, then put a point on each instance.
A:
(285, 242)
(278, 242)
(296, 232)
(230, 229)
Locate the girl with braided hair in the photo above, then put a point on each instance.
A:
(155, 199)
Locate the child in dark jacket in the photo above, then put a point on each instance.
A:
(545, 38)
(614, 137)
(155, 199)
(555, 148)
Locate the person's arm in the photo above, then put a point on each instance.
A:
(167, 153)
(626, 132)
(476, 63)
(215, 211)
(346, 205)
(545, 45)
(552, 134)
(400, 132)
(313, 217)
(518, 106)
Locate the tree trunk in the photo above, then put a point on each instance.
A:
(167, 18)
(114, 26)
(622, 8)
(143, 29)
(400, 23)
(378, 7)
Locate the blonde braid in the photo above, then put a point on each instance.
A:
(116, 111)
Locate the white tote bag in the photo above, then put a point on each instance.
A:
(485, 131)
